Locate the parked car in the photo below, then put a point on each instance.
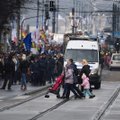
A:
(115, 61)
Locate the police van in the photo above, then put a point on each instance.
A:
(84, 48)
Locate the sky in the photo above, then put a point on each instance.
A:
(65, 7)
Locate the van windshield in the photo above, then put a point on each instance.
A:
(78, 55)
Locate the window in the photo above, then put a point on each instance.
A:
(78, 55)
(116, 57)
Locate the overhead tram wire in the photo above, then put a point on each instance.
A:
(68, 10)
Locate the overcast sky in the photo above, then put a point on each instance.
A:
(66, 7)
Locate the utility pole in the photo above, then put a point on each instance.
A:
(53, 10)
(53, 22)
(18, 21)
(46, 14)
(73, 19)
(113, 22)
(57, 16)
(37, 21)
(42, 14)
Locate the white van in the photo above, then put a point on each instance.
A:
(89, 50)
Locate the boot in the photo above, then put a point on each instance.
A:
(92, 96)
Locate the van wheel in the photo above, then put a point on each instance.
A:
(98, 85)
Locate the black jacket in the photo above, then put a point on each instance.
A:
(24, 66)
(86, 70)
(9, 66)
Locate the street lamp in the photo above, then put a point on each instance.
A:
(27, 19)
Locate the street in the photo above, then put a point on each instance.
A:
(42, 108)
(60, 60)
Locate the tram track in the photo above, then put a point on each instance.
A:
(50, 109)
(97, 116)
(100, 113)
(34, 95)
(42, 93)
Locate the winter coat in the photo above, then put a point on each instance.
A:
(24, 66)
(86, 70)
(50, 65)
(42, 64)
(1, 68)
(75, 73)
(34, 67)
(69, 75)
(9, 66)
(85, 82)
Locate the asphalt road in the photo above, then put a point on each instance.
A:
(85, 109)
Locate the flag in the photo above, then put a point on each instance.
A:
(28, 42)
(24, 33)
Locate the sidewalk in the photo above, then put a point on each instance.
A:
(16, 91)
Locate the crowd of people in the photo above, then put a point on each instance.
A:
(38, 69)
(21, 68)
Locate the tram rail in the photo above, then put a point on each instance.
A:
(100, 113)
(33, 95)
(97, 116)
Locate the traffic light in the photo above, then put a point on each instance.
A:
(47, 11)
(47, 15)
(52, 5)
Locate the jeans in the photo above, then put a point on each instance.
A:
(23, 80)
(68, 88)
(87, 92)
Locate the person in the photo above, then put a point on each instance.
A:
(69, 80)
(9, 68)
(117, 45)
(16, 73)
(50, 69)
(34, 66)
(86, 70)
(86, 86)
(42, 69)
(75, 82)
(24, 68)
(1, 68)
(58, 65)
